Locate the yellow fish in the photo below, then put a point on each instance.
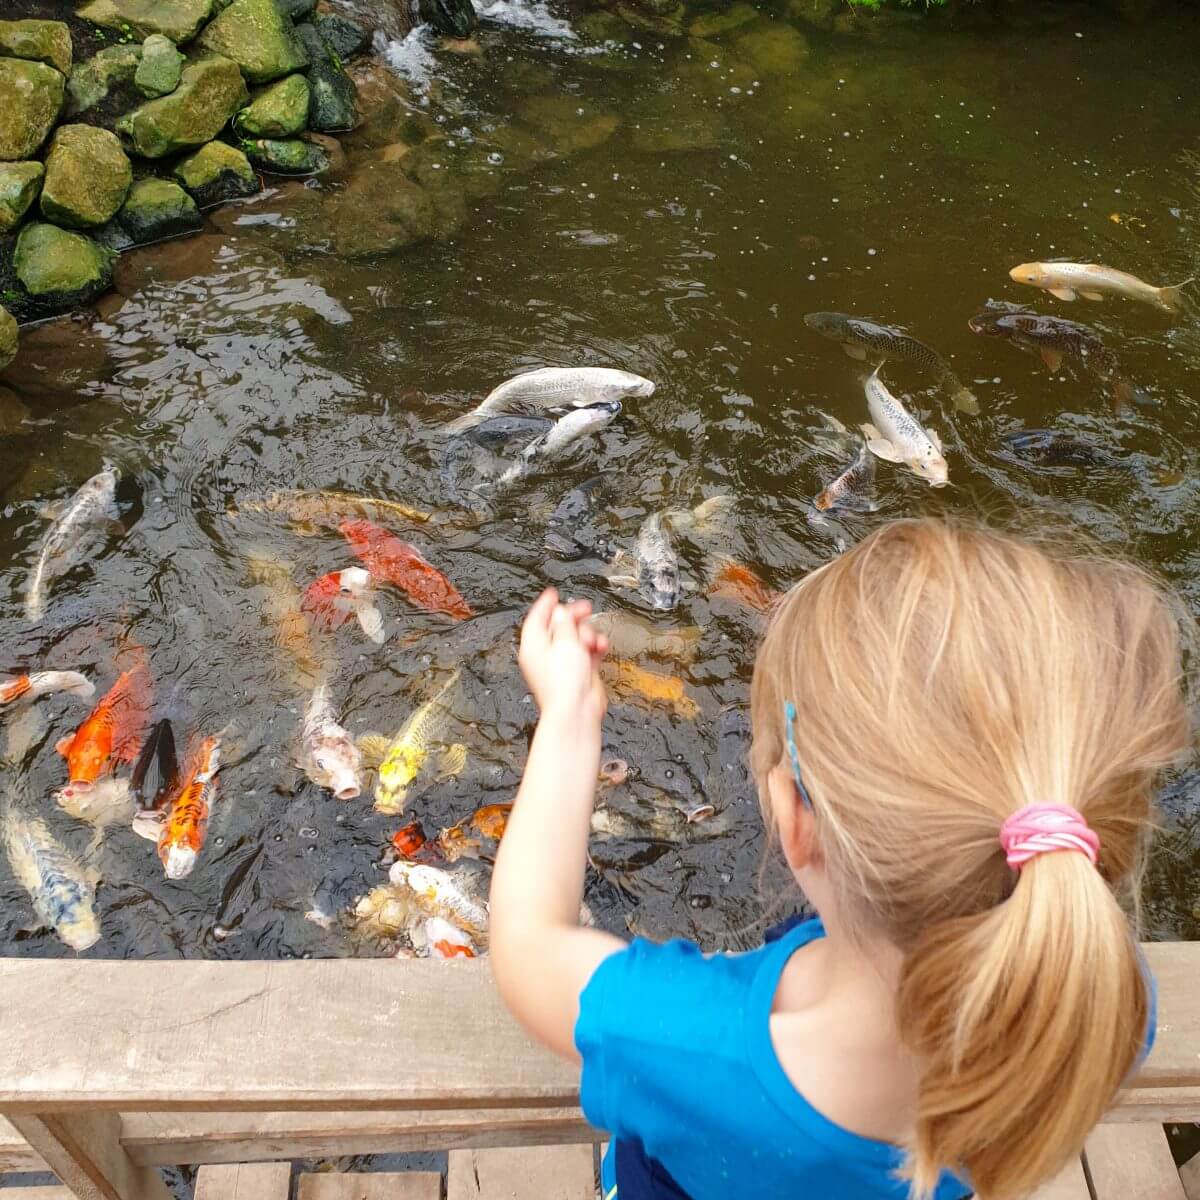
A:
(631, 682)
(405, 755)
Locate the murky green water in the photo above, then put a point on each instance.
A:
(670, 205)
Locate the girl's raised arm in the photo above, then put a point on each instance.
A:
(541, 957)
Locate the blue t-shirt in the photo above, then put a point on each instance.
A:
(677, 1056)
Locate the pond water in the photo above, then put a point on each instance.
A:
(663, 202)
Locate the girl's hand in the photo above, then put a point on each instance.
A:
(560, 658)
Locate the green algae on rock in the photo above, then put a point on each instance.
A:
(295, 10)
(161, 67)
(48, 42)
(31, 95)
(381, 210)
(87, 177)
(294, 156)
(180, 20)
(255, 35)
(345, 37)
(774, 49)
(569, 129)
(210, 92)
(217, 172)
(59, 268)
(334, 98)
(8, 338)
(157, 209)
(91, 81)
(20, 183)
(278, 110)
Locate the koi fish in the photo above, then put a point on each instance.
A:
(1068, 281)
(282, 605)
(94, 502)
(865, 339)
(851, 489)
(630, 636)
(64, 898)
(392, 561)
(410, 840)
(631, 682)
(25, 688)
(438, 938)
(113, 732)
(330, 600)
(328, 755)
(555, 387)
(183, 822)
(733, 581)
(439, 893)
(467, 838)
(898, 437)
(325, 508)
(1056, 448)
(574, 427)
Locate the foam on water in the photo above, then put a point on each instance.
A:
(528, 15)
(411, 56)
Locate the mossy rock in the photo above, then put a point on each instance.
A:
(333, 105)
(161, 67)
(381, 210)
(20, 183)
(255, 35)
(87, 177)
(47, 42)
(180, 20)
(155, 210)
(295, 10)
(775, 49)
(345, 37)
(8, 338)
(61, 270)
(31, 96)
(571, 126)
(93, 80)
(216, 173)
(454, 18)
(277, 111)
(293, 156)
(210, 92)
(713, 24)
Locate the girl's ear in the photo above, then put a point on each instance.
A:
(793, 819)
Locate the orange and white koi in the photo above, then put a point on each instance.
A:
(181, 827)
(439, 938)
(390, 560)
(42, 683)
(113, 732)
(733, 581)
(330, 601)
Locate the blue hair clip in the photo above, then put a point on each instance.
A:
(789, 714)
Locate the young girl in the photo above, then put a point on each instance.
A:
(956, 735)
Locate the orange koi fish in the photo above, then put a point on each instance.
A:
(631, 682)
(330, 600)
(113, 732)
(42, 683)
(733, 581)
(396, 562)
(185, 823)
(409, 840)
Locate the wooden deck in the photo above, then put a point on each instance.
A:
(114, 1069)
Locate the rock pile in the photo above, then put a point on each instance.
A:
(126, 147)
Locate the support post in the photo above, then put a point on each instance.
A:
(84, 1150)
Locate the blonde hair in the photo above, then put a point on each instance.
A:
(944, 677)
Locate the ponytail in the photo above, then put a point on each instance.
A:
(1025, 1019)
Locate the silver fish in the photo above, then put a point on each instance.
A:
(64, 899)
(1068, 281)
(95, 501)
(576, 425)
(555, 387)
(328, 754)
(896, 436)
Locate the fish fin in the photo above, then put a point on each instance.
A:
(937, 441)
(51, 510)
(1092, 295)
(1062, 293)
(1171, 297)
(374, 748)
(623, 581)
(1052, 358)
(63, 745)
(882, 448)
(859, 353)
(148, 824)
(468, 420)
(965, 401)
(869, 431)
(370, 620)
(451, 761)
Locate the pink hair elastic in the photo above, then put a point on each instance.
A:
(1040, 828)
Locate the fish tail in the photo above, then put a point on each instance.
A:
(467, 421)
(1171, 297)
(964, 399)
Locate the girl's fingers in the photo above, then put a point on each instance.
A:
(562, 624)
(535, 630)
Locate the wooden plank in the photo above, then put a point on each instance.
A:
(16, 1154)
(1132, 1160)
(37, 1193)
(1175, 1059)
(1069, 1184)
(84, 1151)
(233, 1046)
(245, 1181)
(1189, 1176)
(403, 1185)
(1155, 1106)
(170, 1139)
(550, 1173)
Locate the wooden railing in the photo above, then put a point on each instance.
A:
(113, 1069)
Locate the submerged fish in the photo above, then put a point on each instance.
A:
(328, 755)
(1067, 281)
(112, 733)
(183, 823)
(442, 894)
(630, 636)
(735, 581)
(326, 508)
(570, 528)
(476, 835)
(555, 387)
(282, 605)
(64, 899)
(897, 437)
(330, 601)
(496, 432)
(403, 757)
(852, 488)
(576, 425)
(1053, 338)
(868, 340)
(24, 688)
(94, 503)
(1056, 448)
(389, 560)
(631, 682)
